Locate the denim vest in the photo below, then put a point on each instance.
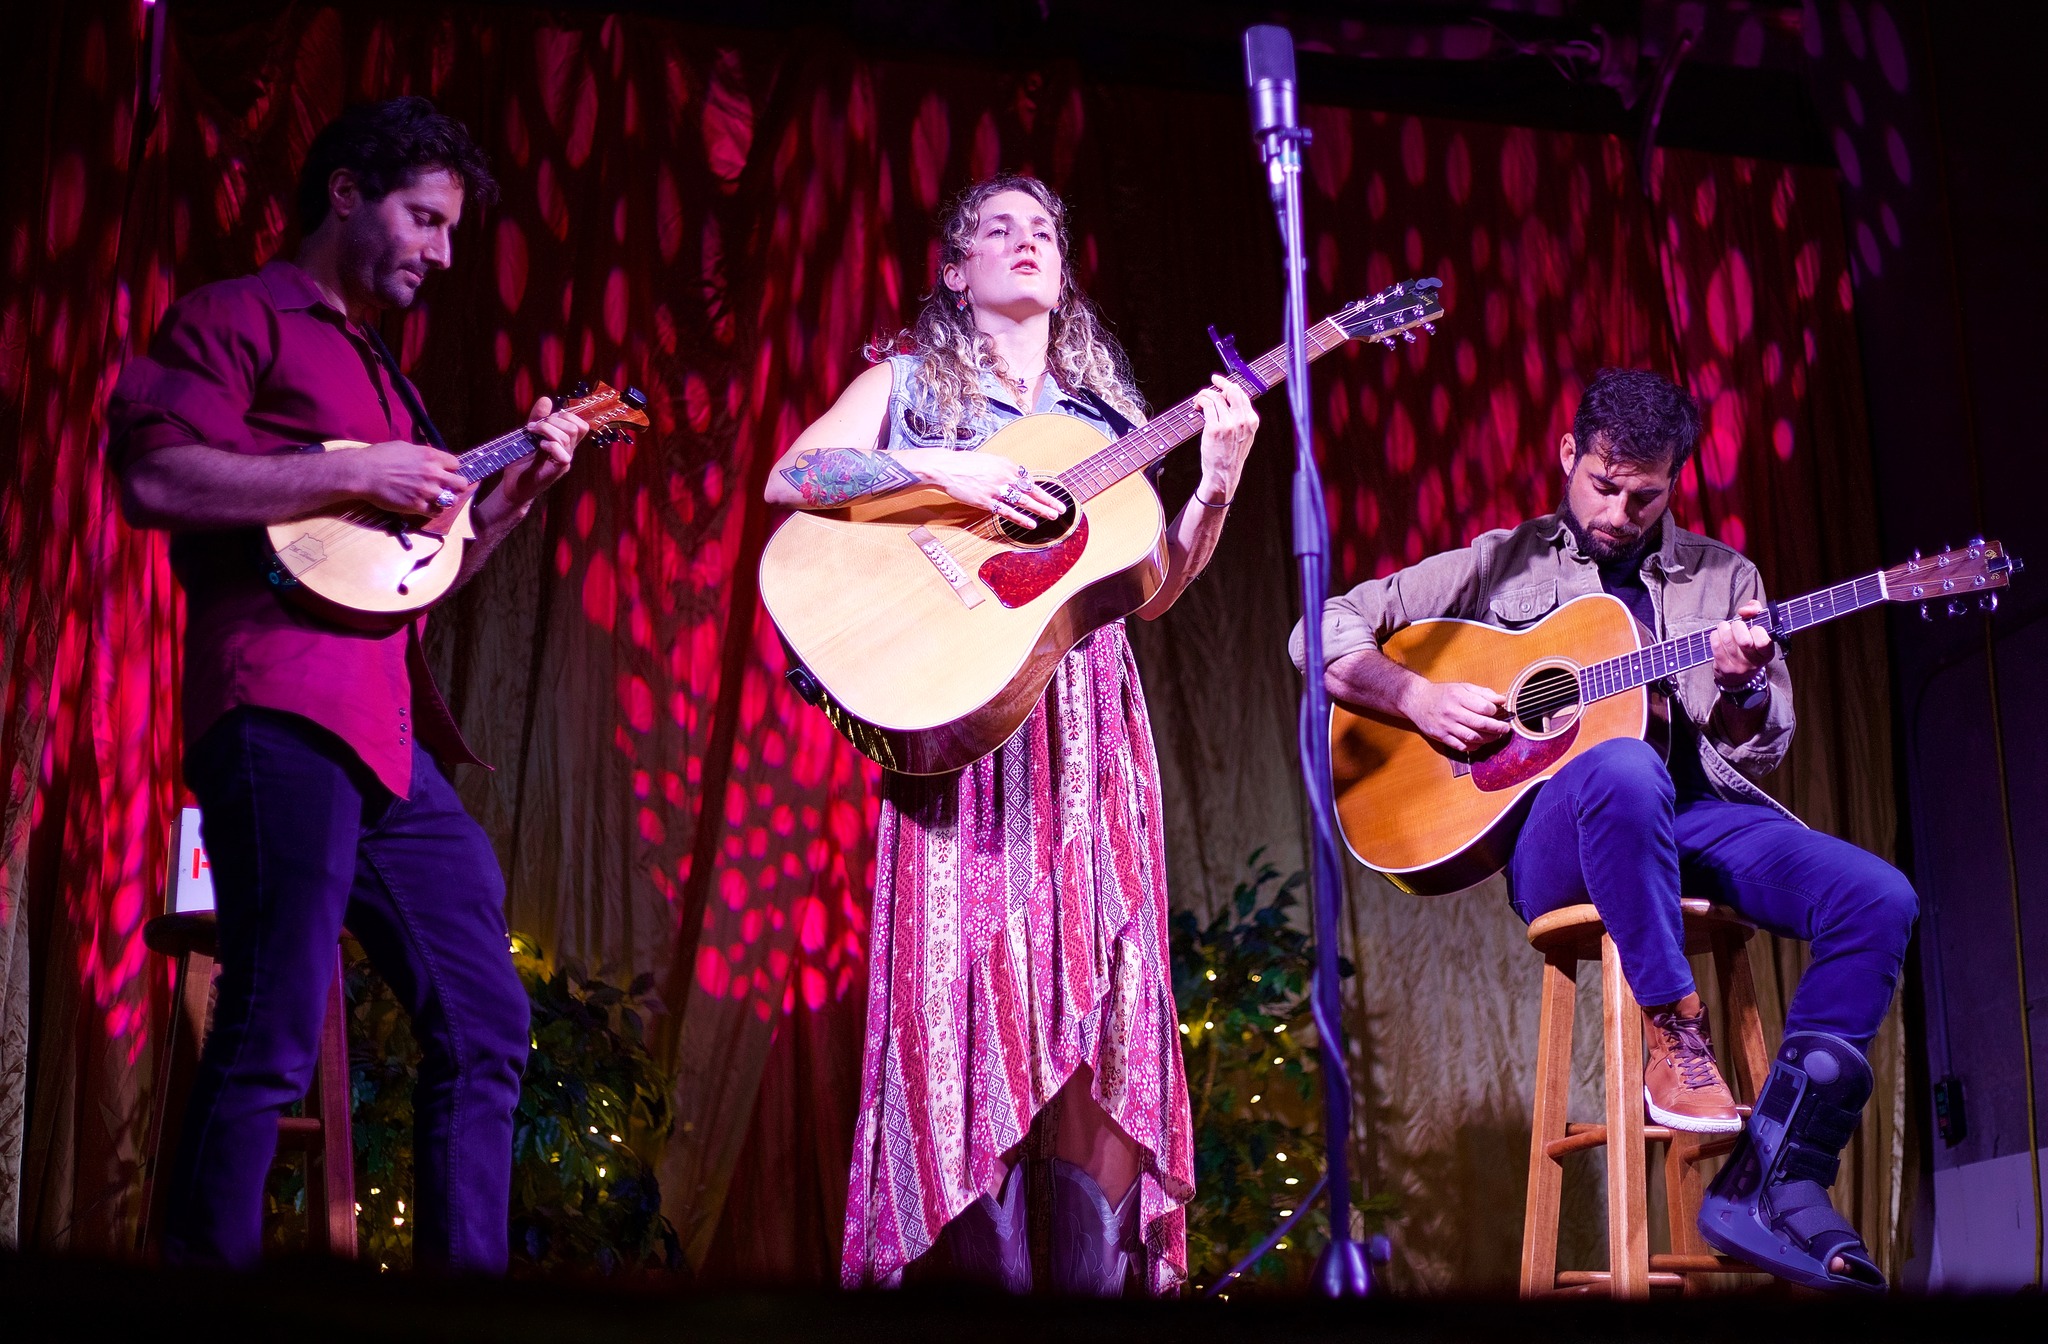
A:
(910, 405)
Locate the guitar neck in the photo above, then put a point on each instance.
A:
(1171, 428)
(1597, 681)
(500, 453)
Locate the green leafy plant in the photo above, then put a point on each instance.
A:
(593, 1100)
(1253, 1072)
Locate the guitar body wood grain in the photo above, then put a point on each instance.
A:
(1434, 822)
(927, 668)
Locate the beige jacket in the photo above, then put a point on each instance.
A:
(1514, 578)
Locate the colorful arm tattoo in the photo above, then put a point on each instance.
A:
(828, 477)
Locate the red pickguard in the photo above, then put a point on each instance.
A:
(1015, 577)
(1521, 759)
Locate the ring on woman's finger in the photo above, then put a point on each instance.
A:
(444, 499)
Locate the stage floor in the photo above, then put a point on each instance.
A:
(62, 1299)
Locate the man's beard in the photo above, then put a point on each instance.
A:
(1600, 550)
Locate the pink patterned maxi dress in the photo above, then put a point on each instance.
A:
(1019, 932)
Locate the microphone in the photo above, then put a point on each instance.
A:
(1269, 79)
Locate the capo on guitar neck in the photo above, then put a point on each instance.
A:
(1226, 346)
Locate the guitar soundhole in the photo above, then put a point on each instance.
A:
(1547, 700)
(1049, 530)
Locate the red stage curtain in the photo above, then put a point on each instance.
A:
(722, 220)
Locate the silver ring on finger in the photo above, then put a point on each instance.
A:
(1023, 472)
(445, 499)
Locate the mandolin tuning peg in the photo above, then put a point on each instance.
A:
(1956, 606)
(1988, 603)
(1926, 613)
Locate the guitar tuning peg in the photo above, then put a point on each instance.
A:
(1925, 613)
(1956, 606)
(1916, 557)
(1408, 336)
(1388, 342)
(1977, 540)
(580, 390)
(1429, 327)
(1988, 603)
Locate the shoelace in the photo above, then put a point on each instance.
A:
(1685, 1038)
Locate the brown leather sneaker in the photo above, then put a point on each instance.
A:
(1681, 1083)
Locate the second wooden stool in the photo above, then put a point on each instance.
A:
(1567, 938)
(323, 1133)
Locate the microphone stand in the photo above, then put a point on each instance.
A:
(1345, 1267)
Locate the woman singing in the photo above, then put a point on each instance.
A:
(1020, 986)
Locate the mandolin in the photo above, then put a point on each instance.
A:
(1436, 821)
(927, 630)
(364, 566)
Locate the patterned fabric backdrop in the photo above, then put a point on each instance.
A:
(722, 220)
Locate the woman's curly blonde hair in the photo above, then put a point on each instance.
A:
(952, 351)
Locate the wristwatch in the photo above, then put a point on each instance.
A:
(1751, 693)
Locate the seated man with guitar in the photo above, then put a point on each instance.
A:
(311, 744)
(1619, 827)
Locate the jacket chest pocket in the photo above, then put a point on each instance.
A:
(1523, 606)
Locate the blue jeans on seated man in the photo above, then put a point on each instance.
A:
(304, 839)
(1612, 829)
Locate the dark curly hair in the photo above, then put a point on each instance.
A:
(385, 145)
(1637, 418)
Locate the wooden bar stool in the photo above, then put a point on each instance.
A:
(322, 1133)
(1566, 938)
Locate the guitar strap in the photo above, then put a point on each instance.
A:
(1118, 421)
(406, 392)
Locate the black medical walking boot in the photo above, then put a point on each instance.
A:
(1770, 1204)
(1092, 1243)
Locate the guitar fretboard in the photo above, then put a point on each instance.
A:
(1600, 680)
(496, 455)
(1177, 424)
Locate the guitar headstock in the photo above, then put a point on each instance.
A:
(1962, 579)
(605, 409)
(1395, 311)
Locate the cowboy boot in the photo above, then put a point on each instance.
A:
(1092, 1243)
(989, 1241)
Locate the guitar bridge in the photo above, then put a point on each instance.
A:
(958, 579)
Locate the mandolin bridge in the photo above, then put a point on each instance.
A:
(302, 555)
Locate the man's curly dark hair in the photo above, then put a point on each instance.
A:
(1637, 419)
(386, 145)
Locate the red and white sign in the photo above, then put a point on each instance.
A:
(191, 884)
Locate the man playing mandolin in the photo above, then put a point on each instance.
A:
(1620, 828)
(312, 748)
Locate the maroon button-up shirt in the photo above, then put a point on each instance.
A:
(264, 364)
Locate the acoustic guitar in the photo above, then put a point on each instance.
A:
(1434, 821)
(927, 630)
(364, 566)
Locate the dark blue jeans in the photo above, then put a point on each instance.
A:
(1611, 829)
(302, 838)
